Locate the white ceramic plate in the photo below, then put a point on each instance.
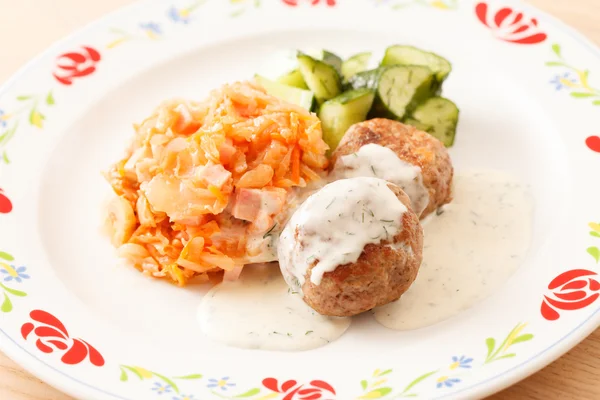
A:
(527, 89)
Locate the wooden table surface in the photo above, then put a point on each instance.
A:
(35, 24)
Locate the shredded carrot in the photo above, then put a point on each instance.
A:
(212, 173)
(296, 164)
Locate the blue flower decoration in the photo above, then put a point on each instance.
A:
(176, 15)
(563, 81)
(446, 381)
(2, 120)
(159, 388)
(151, 27)
(222, 383)
(462, 362)
(183, 397)
(12, 273)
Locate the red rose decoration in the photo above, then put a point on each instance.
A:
(509, 25)
(294, 3)
(52, 335)
(315, 390)
(5, 203)
(571, 290)
(76, 65)
(593, 142)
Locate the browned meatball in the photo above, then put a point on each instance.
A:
(410, 145)
(382, 273)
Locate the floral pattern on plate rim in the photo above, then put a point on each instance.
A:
(52, 335)
(12, 273)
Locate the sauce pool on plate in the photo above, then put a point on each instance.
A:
(471, 249)
(259, 311)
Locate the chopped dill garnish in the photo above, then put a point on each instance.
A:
(373, 169)
(269, 231)
(387, 235)
(289, 334)
(332, 200)
(308, 333)
(350, 233)
(439, 211)
(389, 221)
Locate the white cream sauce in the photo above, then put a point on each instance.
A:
(259, 311)
(373, 160)
(471, 248)
(333, 225)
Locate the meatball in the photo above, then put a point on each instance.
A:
(411, 146)
(354, 245)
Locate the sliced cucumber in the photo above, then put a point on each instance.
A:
(400, 89)
(355, 64)
(441, 115)
(418, 124)
(409, 55)
(303, 98)
(367, 79)
(293, 78)
(343, 111)
(327, 57)
(320, 77)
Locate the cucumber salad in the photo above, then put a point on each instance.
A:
(406, 85)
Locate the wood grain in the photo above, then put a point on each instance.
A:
(37, 23)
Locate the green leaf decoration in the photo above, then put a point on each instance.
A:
(124, 376)
(554, 64)
(490, 344)
(14, 292)
(523, 338)
(377, 393)
(510, 355)
(594, 252)
(7, 135)
(595, 234)
(249, 393)
(23, 98)
(363, 385)
(385, 372)
(582, 95)
(134, 370)
(36, 118)
(50, 99)
(6, 256)
(6, 304)
(167, 381)
(5, 158)
(192, 376)
(596, 102)
(556, 49)
(418, 380)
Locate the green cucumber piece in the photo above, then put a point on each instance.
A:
(321, 78)
(300, 97)
(400, 89)
(355, 64)
(293, 78)
(441, 115)
(327, 57)
(418, 124)
(366, 79)
(343, 111)
(409, 55)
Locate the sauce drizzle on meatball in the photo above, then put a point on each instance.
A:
(333, 226)
(373, 160)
